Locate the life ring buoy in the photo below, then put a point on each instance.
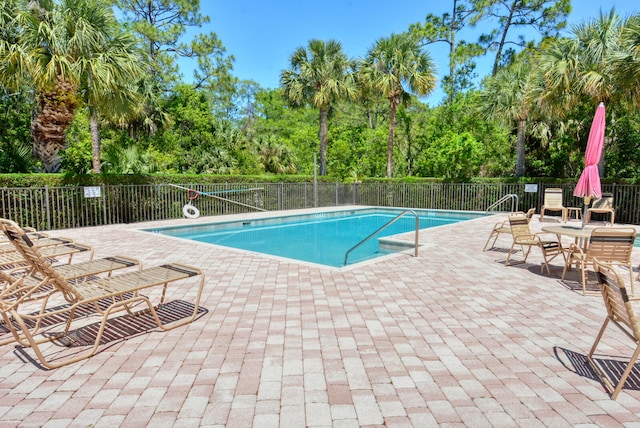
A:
(190, 211)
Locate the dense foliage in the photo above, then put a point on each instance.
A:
(94, 94)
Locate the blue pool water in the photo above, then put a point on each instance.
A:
(322, 238)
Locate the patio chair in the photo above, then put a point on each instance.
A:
(107, 295)
(33, 234)
(21, 286)
(553, 202)
(11, 260)
(610, 245)
(24, 281)
(602, 205)
(503, 227)
(621, 313)
(24, 284)
(522, 236)
(7, 247)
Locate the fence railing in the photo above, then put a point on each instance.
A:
(49, 208)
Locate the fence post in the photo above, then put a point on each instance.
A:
(315, 182)
(104, 204)
(354, 190)
(47, 207)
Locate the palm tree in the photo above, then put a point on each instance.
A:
(68, 52)
(627, 61)
(509, 97)
(584, 65)
(275, 157)
(36, 55)
(108, 66)
(319, 75)
(129, 160)
(393, 64)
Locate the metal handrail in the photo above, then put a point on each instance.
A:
(514, 202)
(389, 223)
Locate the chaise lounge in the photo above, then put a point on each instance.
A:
(108, 296)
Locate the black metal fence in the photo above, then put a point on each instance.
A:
(49, 208)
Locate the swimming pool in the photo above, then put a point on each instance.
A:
(322, 238)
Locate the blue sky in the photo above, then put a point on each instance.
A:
(262, 34)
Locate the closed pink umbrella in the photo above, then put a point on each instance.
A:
(589, 183)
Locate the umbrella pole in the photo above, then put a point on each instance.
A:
(585, 207)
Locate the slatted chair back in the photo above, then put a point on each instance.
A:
(553, 198)
(603, 203)
(553, 202)
(519, 225)
(616, 298)
(621, 313)
(612, 245)
(39, 264)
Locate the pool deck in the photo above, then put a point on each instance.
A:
(450, 338)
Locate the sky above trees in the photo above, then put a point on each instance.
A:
(262, 35)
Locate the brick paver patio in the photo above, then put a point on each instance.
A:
(450, 338)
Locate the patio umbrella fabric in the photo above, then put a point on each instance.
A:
(589, 183)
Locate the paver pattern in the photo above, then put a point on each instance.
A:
(450, 338)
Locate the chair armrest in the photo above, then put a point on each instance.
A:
(549, 235)
(18, 269)
(525, 237)
(547, 238)
(501, 224)
(573, 248)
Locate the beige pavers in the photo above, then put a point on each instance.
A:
(451, 337)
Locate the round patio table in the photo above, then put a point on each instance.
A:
(579, 233)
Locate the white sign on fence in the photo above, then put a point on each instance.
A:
(92, 192)
(531, 188)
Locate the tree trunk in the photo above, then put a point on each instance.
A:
(520, 148)
(452, 51)
(95, 140)
(507, 25)
(57, 109)
(323, 134)
(392, 128)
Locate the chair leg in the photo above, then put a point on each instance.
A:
(624, 376)
(494, 235)
(506, 262)
(585, 275)
(607, 383)
(568, 264)
(564, 270)
(598, 337)
(525, 254)
(545, 264)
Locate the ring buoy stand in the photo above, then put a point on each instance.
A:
(190, 211)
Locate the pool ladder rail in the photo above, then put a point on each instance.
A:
(511, 196)
(383, 227)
